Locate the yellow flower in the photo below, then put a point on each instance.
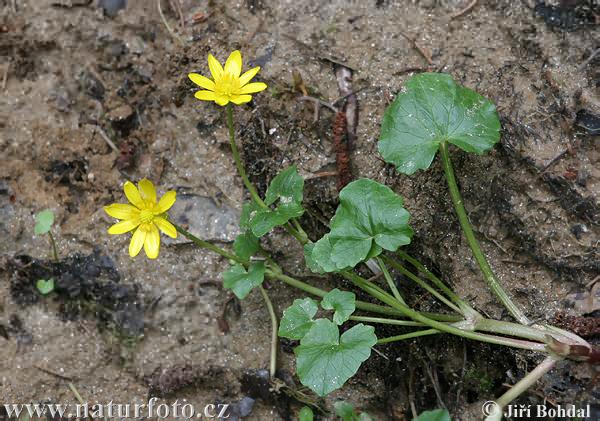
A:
(145, 216)
(227, 84)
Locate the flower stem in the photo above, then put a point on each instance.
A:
(390, 281)
(523, 384)
(408, 336)
(209, 246)
(238, 161)
(297, 232)
(274, 328)
(488, 274)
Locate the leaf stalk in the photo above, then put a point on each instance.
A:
(465, 224)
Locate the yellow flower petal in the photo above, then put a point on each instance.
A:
(165, 202)
(122, 211)
(147, 190)
(241, 99)
(221, 99)
(152, 242)
(253, 88)
(137, 241)
(202, 81)
(233, 65)
(133, 194)
(205, 95)
(166, 227)
(247, 77)
(215, 67)
(124, 226)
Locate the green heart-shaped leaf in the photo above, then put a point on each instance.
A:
(286, 188)
(370, 217)
(433, 109)
(343, 302)
(298, 318)
(245, 245)
(43, 222)
(324, 360)
(240, 281)
(248, 209)
(266, 219)
(44, 286)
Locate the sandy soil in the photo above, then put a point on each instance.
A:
(139, 328)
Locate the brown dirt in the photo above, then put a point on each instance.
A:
(534, 201)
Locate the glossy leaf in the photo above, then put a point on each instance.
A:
(433, 109)
(343, 302)
(245, 245)
(370, 218)
(298, 318)
(267, 219)
(318, 256)
(247, 210)
(287, 186)
(286, 189)
(240, 281)
(325, 360)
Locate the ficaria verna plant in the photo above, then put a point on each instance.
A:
(370, 225)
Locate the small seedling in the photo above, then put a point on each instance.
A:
(43, 225)
(45, 286)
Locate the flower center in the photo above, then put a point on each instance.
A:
(227, 85)
(146, 216)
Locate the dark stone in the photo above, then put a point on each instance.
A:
(112, 7)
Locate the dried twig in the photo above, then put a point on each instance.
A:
(463, 11)
(426, 55)
(52, 373)
(5, 77)
(176, 5)
(107, 139)
(554, 160)
(169, 29)
(318, 102)
(589, 59)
